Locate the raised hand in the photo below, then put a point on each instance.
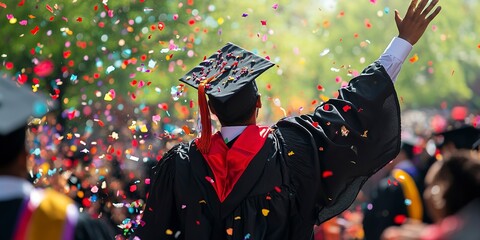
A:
(416, 20)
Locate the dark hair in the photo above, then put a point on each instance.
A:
(462, 171)
(11, 145)
(239, 108)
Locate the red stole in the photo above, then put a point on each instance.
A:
(229, 164)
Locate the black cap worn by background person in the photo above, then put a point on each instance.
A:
(463, 137)
(17, 104)
(227, 77)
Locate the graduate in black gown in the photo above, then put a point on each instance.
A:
(254, 182)
(27, 212)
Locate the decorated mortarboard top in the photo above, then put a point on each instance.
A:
(227, 71)
(463, 137)
(17, 104)
(221, 76)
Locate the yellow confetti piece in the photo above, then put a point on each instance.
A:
(237, 218)
(143, 128)
(290, 153)
(414, 58)
(203, 201)
(230, 231)
(108, 97)
(169, 232)
(265, 212)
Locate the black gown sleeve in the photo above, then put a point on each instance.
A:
(88, 228)
(346, 139)
(160, 218)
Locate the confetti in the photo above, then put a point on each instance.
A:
(414, 58)
(265, 212)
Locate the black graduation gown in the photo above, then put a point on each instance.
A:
(310, 168)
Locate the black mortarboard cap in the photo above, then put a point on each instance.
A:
(227, 77)
(463, 137)
(232, 69)
(17, 104)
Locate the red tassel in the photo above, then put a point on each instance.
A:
(203, 143)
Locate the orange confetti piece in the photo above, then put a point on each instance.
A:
(291, 153)
(186, 129)
(230, 231)
(169, 232)
(414, 58)
(3, 5)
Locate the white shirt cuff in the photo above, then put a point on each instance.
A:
(399, 48)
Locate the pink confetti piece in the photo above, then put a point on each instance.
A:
(23, 22)
(275, 6)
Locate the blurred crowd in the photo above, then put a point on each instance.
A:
(434, 182)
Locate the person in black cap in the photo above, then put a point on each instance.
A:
(255, 182)
(26, 212)
(462, 137)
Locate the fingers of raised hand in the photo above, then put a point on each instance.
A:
(434, 14)
(429, 8)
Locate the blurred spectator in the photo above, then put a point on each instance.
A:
(29, 213)
(453, 197)
(390, 203)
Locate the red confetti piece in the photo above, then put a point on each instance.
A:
(277, 189)
(346, 108)
(400, 219)
(44, 68)
(133, 188)
(22, 78)
(191, 22)
(315, 124)
(367, 23)
(95, 8)
(79, 19)
(134, 143)
(327, 174)
(100, 123)
(326, 107)
(50, 9)
(133, 96)
(86, 202)
(190, 2)
(191, 105)
(35, 30)
(67, 54)
(51, 18)
(9, 65)
(21, 3)
(161, 26)
(320, 88)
